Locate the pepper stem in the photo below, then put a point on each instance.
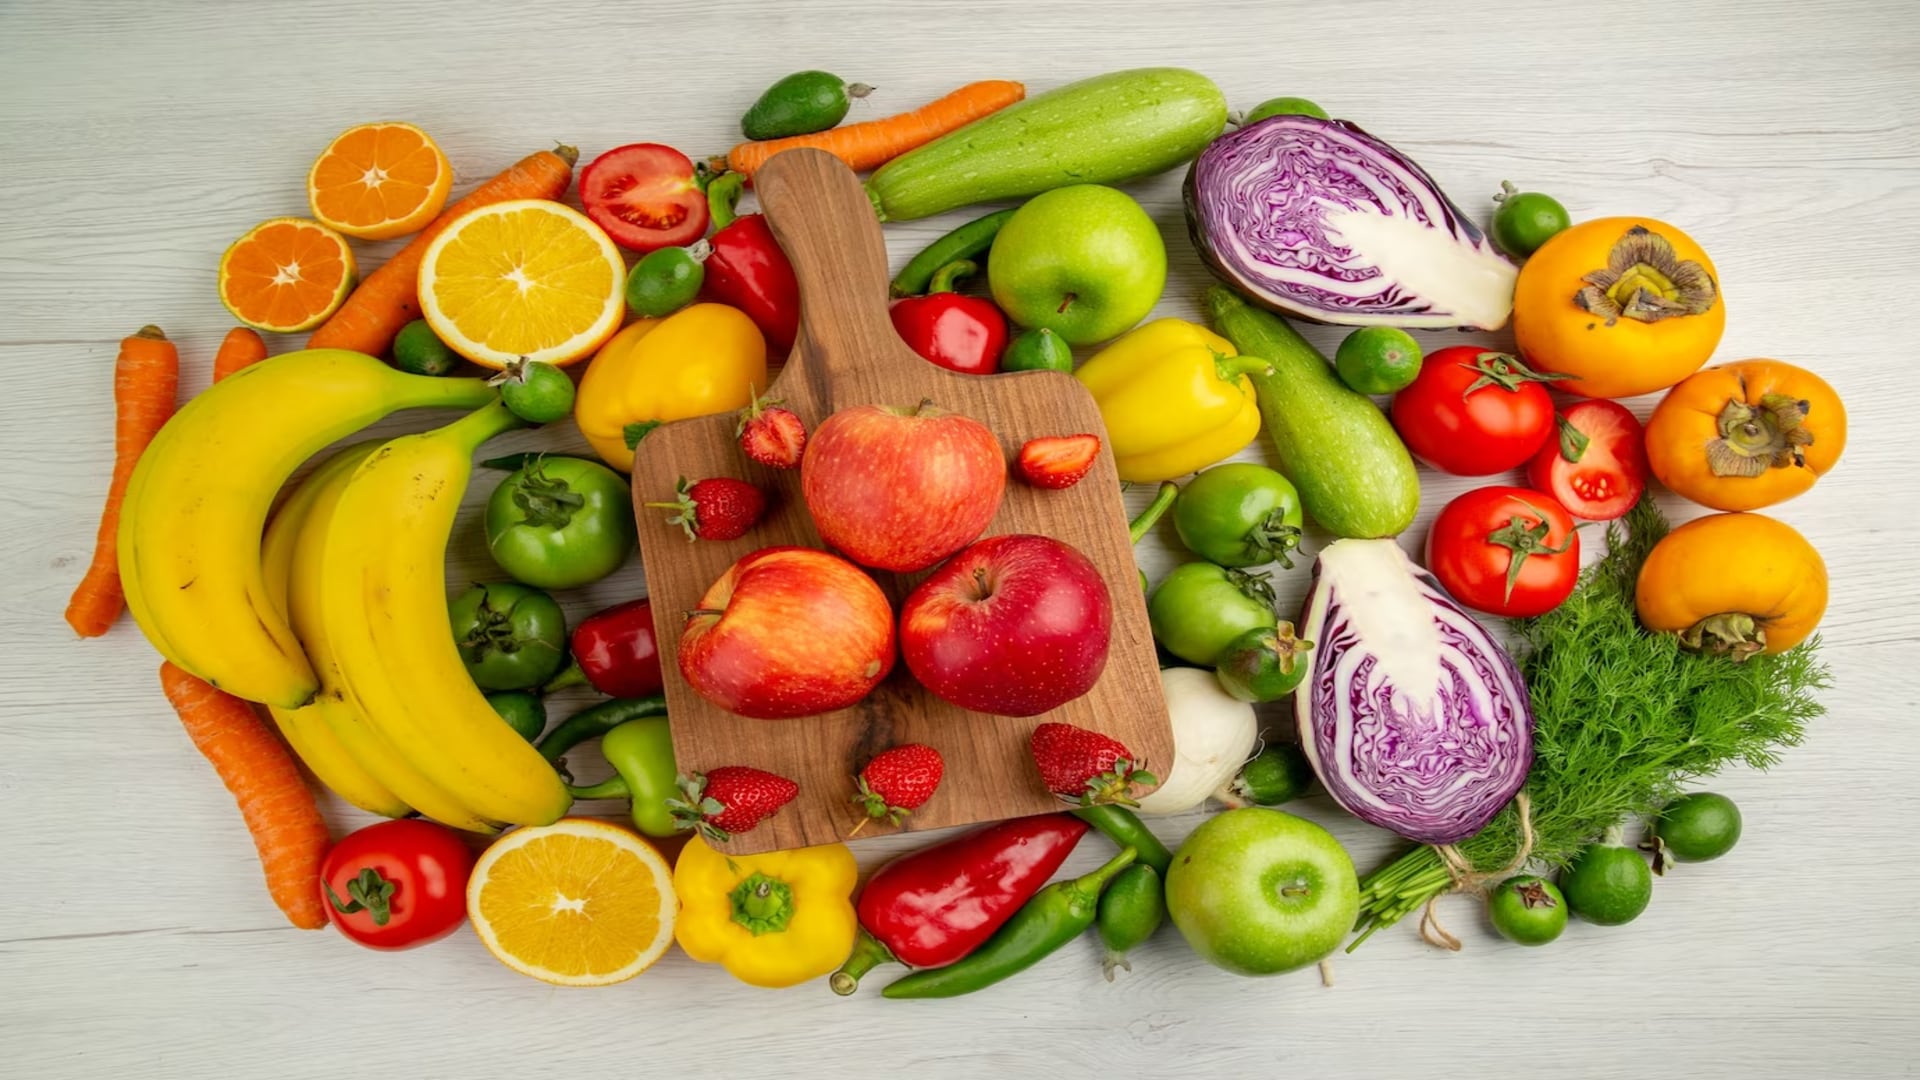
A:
(574, 675)
(947, 279)
(1731, 633)
(1091, 884)
(762, 904)
(1162, 499)
(613, 787)
(868, 954)
(1230, 368)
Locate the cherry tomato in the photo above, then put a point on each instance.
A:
(1505, 551)
(645, 196)
(1597, 467)
(397, 884)
(1472, 411)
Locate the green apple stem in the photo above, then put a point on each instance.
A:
(1066, 302)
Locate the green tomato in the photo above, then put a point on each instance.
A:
(1200, 608)
(1698, 827)
(1527, 910)
(510, 637)
(536, 392)
(1239, 514)
(1285, 106)
(417, 350)
(561, 522)
(1525, 220)
(1608, 884)
(1378, 360)
(523, 710)
(1037, 350)
(1264, 664)
(667, 280)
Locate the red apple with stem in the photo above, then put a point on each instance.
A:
(1013, 625)
(786, 632)
(900, 488)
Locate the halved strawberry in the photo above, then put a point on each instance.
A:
(1058, 461)
(773, 436)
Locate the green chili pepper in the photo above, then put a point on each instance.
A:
(641, 753)
(1131, 909)
(1125, 829)
(597, 720)
(723, 192)
(1056, 915)
(966, 242)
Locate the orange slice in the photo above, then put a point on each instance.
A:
(576, 903)
(379, 181)
(523, 279)
(286, 275)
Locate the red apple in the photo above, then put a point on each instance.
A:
(1013, 625)
(902, 488)
(788, 631)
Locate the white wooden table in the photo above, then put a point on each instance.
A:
(137, 139)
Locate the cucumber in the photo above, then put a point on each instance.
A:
(800, 104)
(1354, 474)
(1105, 130)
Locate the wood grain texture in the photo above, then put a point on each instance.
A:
(848, 354)
(139, 137)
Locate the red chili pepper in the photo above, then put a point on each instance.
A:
(748, 270)
(931, 907)
(616, 652)
(966, 334)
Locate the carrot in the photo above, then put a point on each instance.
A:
(241, 347)
(873, 143)
(388, 298)
(145, 379)
(255, 765)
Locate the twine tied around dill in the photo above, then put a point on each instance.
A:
(1466, 879)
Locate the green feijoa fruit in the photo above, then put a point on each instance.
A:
(1527, 910)
(801, 104)
(1698, 827)
(1525, 220)
(1608, 884)
(536, 392)
(1037, 350)
(666, 280)
(1131, 909)
(417, 350)
(1277, 774)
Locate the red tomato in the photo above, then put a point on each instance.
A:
(1505, 551)
(645, 196)
(1597, 468)
(397, 884)
(1472, 411)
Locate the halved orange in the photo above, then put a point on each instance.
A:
(576, 903)
(286, 275)
(523, 279)
(379, 181)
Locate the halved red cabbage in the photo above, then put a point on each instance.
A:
(1414, 718)
(1318, 219)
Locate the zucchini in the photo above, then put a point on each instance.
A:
(1354, 474)
(1105, 130)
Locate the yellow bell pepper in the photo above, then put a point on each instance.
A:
(1175, 397)
(771, 920)
(707, 358)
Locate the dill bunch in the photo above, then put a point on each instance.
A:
(1622, 718)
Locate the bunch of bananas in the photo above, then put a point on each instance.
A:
(335, 618)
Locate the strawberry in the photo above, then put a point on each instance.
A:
(1058, 461)
(730, 799)
(718, 508)
(1086, 767)
(897, 782)
(770, 435)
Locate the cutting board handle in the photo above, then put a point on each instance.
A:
(826, 225)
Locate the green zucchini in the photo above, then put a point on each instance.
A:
(1105, 130)
(1354, 474)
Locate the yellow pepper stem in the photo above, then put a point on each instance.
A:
(762, 904)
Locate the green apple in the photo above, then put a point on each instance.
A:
(1085, 262)
(1260, 892)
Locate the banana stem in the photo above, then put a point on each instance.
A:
(482, 424)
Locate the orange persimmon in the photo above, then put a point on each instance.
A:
(1736, 584)
(1745, 435)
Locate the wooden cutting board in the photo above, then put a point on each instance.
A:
(848, 354)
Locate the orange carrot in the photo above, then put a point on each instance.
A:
(256, 766)
(241, 347)
(145, 379)
(873, 143)
(388, 298)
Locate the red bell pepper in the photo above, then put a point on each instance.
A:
(966, 334)
(616, 652)
(931, 907)
(748, 270)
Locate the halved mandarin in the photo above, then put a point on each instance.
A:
(379, 181)
(286, 275)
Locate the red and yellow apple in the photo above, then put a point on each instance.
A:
(786, 632)
(900, 488)
(1013, 625)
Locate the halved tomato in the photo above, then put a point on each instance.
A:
(1597, 467)
(645, 196)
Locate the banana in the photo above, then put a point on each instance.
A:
(191, 522)
(306, 729)
(383, 608)
(292, 559)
